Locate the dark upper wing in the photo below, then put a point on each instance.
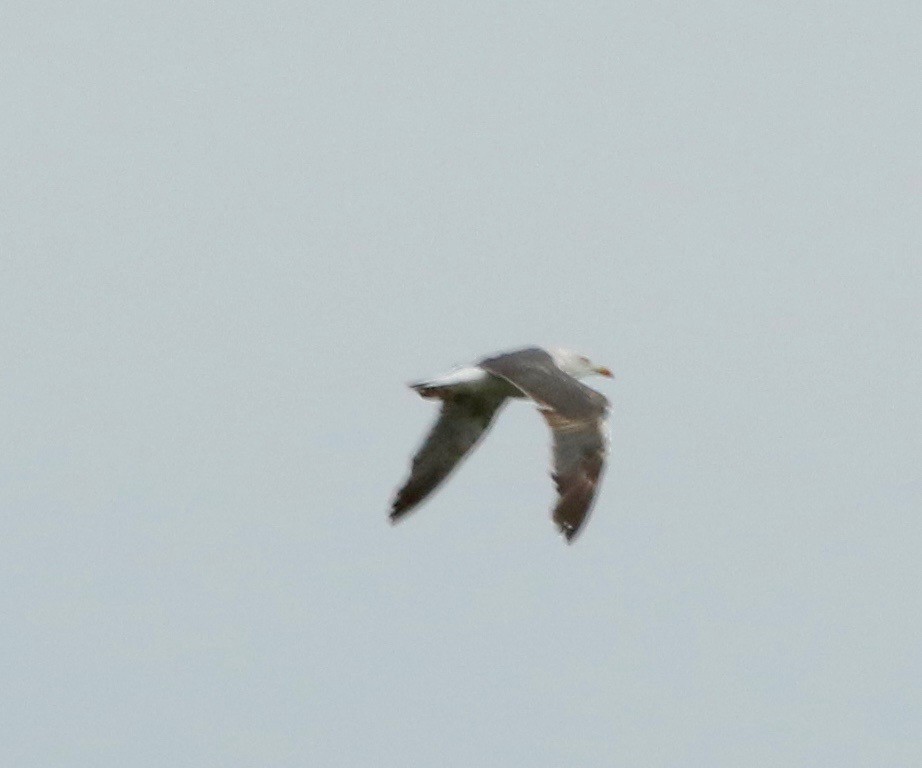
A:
(576, 416)
(463, 421)
(535, 373)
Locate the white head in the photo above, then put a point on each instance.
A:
(576, 365)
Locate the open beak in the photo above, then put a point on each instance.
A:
(605, 372)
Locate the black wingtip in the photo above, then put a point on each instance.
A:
(399, 511)
(569, 532)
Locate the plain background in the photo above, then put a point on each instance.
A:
(231, 232)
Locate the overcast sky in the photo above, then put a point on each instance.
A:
(231, 232)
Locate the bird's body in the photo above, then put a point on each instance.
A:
(467, 378)
(472, 396)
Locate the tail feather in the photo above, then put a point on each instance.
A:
(429, 390)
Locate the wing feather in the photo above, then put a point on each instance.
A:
(463, 421)
(579, 460)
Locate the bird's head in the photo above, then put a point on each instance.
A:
(578, 366)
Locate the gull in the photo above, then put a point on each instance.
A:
(471, 397)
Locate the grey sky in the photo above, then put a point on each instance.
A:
(229, 233)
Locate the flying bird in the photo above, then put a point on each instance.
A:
(472, 396)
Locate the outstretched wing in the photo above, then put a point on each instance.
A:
(463, 421)
(576, 415)
(579, 459)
